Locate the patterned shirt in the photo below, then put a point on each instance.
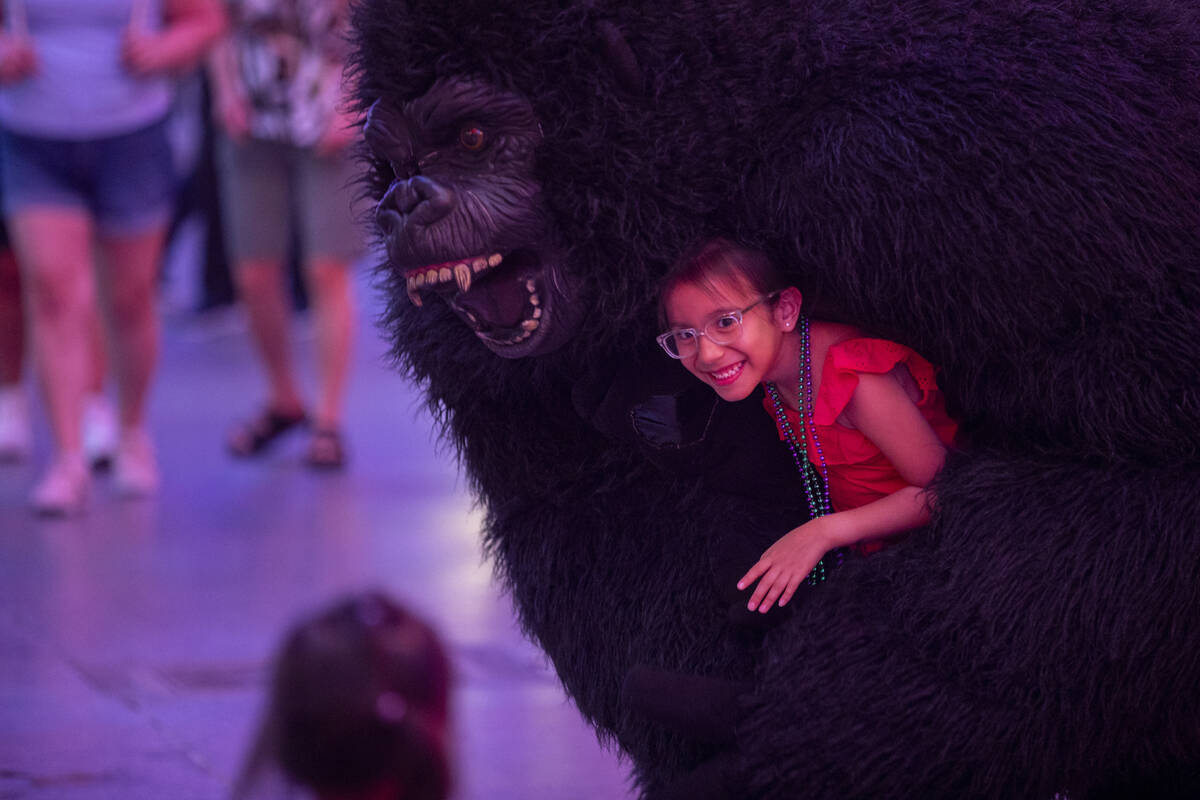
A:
(289, 57)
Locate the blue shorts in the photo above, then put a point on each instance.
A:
(126, 182)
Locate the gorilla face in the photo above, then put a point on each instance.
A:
(462, 214)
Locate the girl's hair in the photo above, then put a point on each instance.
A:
(711, 261)
(359, 695)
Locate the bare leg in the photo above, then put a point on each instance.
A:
(99, 355)
(53, 248)
(99, 417)
(333, 306)
(130, 277)
(261, 289)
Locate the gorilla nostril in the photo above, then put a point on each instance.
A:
(400, 196)
(418, 199)
(388, 220)
(431, 200)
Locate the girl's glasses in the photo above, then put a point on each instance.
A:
(725, 329)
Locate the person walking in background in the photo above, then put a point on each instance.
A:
(86, 89)
(278, 90)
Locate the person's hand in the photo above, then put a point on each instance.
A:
(232, 112)
(785, 564)
(339, 133)
(145, 52)
(18, 59)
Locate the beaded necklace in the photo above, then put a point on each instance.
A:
(816, 489)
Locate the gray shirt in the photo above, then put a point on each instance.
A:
(80, 89)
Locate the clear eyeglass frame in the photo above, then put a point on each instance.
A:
(722, 330)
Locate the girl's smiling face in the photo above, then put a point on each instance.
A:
(733, 370)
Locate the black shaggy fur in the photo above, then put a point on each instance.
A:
(1011, 187)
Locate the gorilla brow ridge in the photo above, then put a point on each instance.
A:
(450, 102)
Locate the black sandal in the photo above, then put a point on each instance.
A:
(253, 437)
(326, 450)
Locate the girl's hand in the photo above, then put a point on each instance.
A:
(788, 562)
(18, 59)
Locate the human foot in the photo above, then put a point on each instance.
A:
(63, 490)
(135, 472)
(254, 436)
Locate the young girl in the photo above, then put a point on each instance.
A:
(358, 707)
(864, 414)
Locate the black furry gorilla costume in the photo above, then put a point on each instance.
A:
(1011, 187)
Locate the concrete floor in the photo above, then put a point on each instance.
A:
(134, 640)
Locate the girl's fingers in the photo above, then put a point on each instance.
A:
(777, 587)
(792, 585)
(761, 590)
(754, 574)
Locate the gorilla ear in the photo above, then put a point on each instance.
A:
(620, 55)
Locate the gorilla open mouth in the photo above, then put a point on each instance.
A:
(504, 299)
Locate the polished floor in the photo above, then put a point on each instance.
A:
(134, 641)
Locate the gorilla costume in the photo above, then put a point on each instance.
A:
(1010, 187)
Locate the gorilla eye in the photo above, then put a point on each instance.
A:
(471, 137)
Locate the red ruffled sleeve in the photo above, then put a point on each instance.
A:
(846, 360)
(858, 471)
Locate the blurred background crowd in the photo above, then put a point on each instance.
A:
(169, 154)
(182, 249)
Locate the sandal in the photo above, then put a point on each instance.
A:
(326, 449)
(251, 438)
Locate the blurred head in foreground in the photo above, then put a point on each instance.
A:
(358, 706)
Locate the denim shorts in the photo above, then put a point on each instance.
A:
(126, 182)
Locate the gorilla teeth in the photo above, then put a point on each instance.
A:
(537, 313)
(529, 325)
(462, 276)
(413, 284)
(462, 273)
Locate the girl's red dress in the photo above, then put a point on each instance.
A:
(858, 472)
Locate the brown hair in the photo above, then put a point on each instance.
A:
(711, 261)
(359, 695)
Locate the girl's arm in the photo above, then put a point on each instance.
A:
(191, 27)
(884, 412)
